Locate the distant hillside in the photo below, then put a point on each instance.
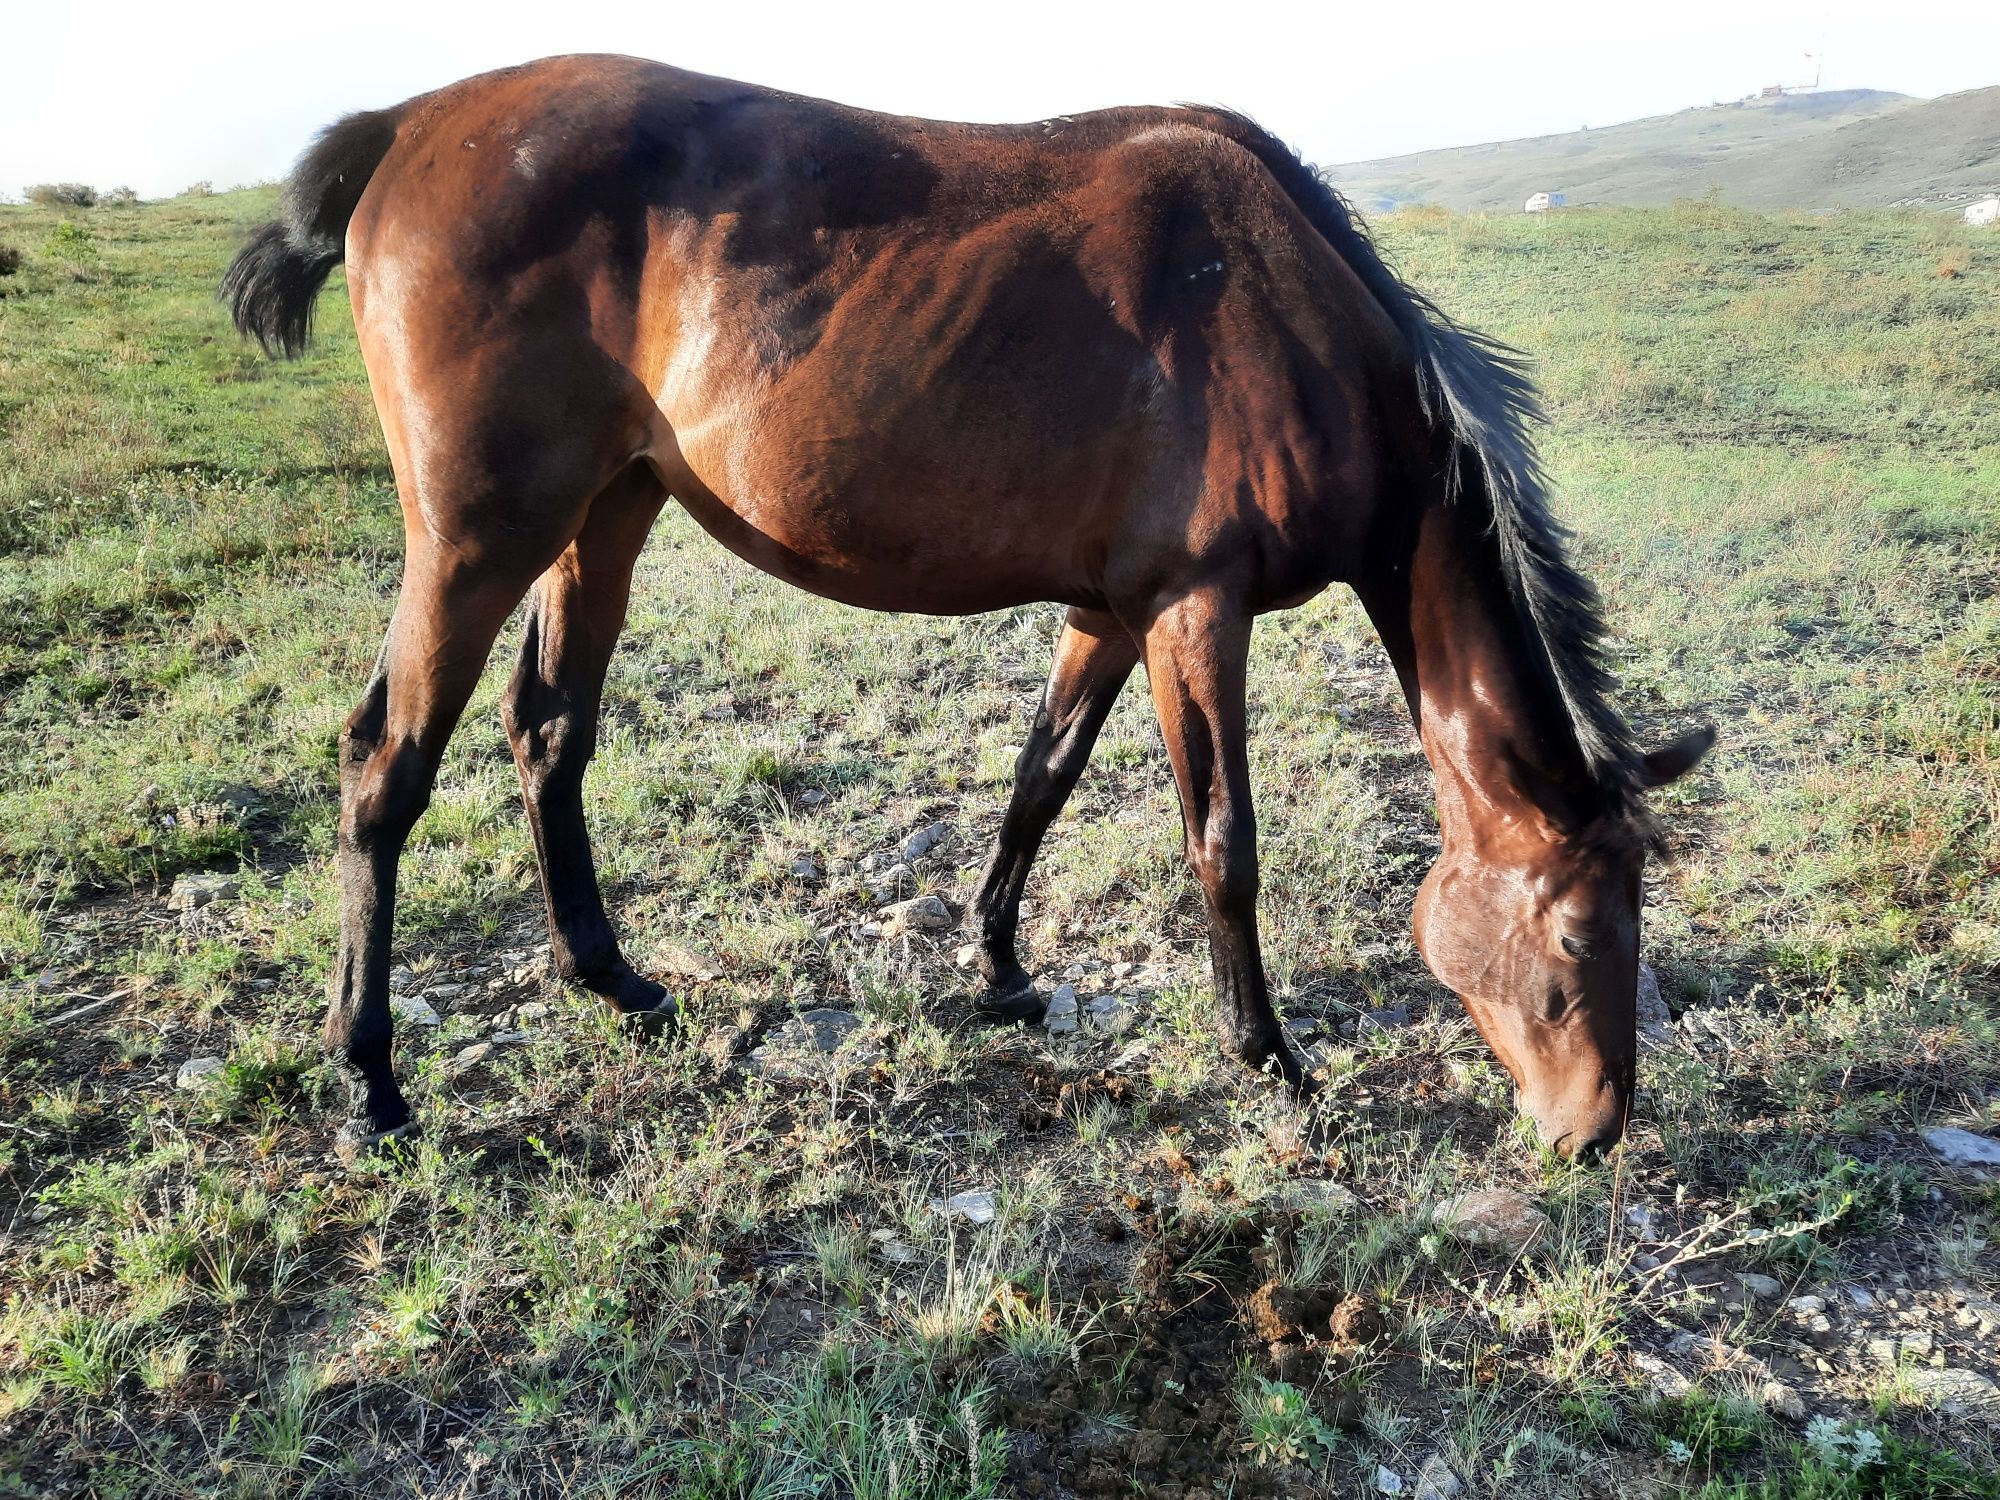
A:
(1853, 148)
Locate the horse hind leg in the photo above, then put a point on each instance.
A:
(1093, 657)
(444, 625)
(551, 713)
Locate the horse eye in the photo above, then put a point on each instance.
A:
(1576, 948)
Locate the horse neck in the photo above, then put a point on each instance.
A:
(1503, 749)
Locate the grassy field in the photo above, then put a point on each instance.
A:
(613, 1268)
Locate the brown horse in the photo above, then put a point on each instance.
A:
(1140, 362)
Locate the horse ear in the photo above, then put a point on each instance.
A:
(1672, 762)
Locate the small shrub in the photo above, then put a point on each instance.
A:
(202, 189)
(10, 260)
(71, 242)
(120, 197)
(61, 194)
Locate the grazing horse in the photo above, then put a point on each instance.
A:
(1140, 362)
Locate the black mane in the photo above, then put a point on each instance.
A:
(1478, 389)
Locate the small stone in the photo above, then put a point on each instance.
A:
(1435, 1480)
(471, 1057)
(531, 1011)
(447, 991)
(1498, 1219)
(1781, 1400)
(805, 868)
(1806, 1307)
(812, 796)
(1763, 1288)
(1061, 1016)
(897, 1252)
(1963, 1148)
(1387, 1480)
(1121, 969)
(967, 956)
(976, 1207)
(720, 712)
(1319, 1195)
(1112, 1013)
(191, 892)
(1956, 1393)
(724, 1043)
(196, 1072)
(1382, 1018)
(1665, 1379)
(402, 979)
(511, 1038)
(414, 1010)
(925, 839)
(814, 1044)
(920, 914)
(1655, 1018)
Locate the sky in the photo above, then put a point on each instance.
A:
(170, 92)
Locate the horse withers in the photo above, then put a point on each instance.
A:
(1142, 362)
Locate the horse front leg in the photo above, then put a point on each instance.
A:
(1197, 656)
(1094, 656)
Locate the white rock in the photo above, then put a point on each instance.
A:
(1317, 1195)
(1963, 1148)
(1668, 1381)
(1780, 1400)
(1956, 1393)
(1435, 1481)
(1498, 1219)
(919, 914)
(414, 1010)
(192, 891)
(1112, 1013)
(1387, 1480)
(976, 1207)
(1806, 1307)
(967, 956)
(1656, 1020)
(925, 839)
(814, 1044)
(196, 1072)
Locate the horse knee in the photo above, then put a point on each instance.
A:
(1225, 862)
(388, 787)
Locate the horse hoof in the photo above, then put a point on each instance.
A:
(650, 1023)
(628, 992)
(1019, 1001)
(359, 1140)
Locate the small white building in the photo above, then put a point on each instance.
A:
(1541, 203)
(1985, 211)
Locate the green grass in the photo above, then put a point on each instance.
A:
(609, 1268)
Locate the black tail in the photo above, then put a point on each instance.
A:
(272, 284)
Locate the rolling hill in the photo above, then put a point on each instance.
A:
(1853, 148)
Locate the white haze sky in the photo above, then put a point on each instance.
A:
(161, 94)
